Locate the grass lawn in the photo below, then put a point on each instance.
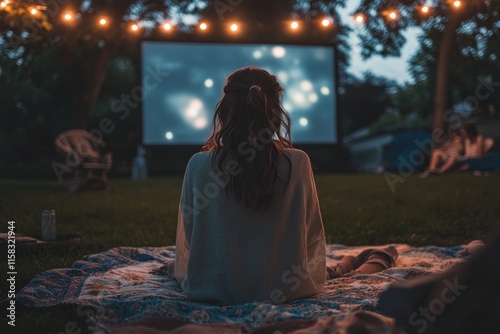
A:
(358, 209)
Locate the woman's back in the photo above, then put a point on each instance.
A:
(250, 226)
(230, 254)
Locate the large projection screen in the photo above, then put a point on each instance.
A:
(182, 83)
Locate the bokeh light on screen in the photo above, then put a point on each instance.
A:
(200, 123)
(209, 83)
(282, 76)
(279, 52)
(288, 107)
(313, 97)
(194, 108)
(298, 98)
(257, 54)
(195, 114)
(181, 108)
(306, 85)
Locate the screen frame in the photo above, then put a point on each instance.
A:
(337, 118)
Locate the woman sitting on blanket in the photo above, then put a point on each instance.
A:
(250, 227)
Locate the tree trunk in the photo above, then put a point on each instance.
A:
(84, 101)
(442, 97)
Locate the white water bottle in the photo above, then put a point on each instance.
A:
(139, 166)
(49, 225)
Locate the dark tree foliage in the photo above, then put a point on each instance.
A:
(82, 46)
(468, 27)
(472, 67)
(362, 101)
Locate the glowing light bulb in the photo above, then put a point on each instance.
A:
(167, 26)
(34, 11)
(203, 26)
(103, 22)
(68, 16)
(325, 22)
(359, 18)
(393, 15)
(294, 25)
(234, 27)
(457, 4)
(134, 27)
(3, 4)
(425, 9)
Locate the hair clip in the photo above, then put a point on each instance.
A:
(256, 87)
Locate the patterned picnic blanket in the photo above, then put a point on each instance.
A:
(124, 285)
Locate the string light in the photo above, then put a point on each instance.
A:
(234, 27)
(33, 9)
(360, 18)
(393, 15)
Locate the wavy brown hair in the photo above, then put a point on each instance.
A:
(250, 128)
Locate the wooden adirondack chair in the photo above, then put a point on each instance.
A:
(80, 154)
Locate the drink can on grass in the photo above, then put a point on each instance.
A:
(49, 225)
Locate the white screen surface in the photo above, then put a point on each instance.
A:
(179, 104)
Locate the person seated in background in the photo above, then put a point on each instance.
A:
(476, 157)
(446, 156)
(474, 142)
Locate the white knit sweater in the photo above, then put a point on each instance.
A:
(228, 254)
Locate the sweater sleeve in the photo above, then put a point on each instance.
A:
(316, 244)
(184, 227)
